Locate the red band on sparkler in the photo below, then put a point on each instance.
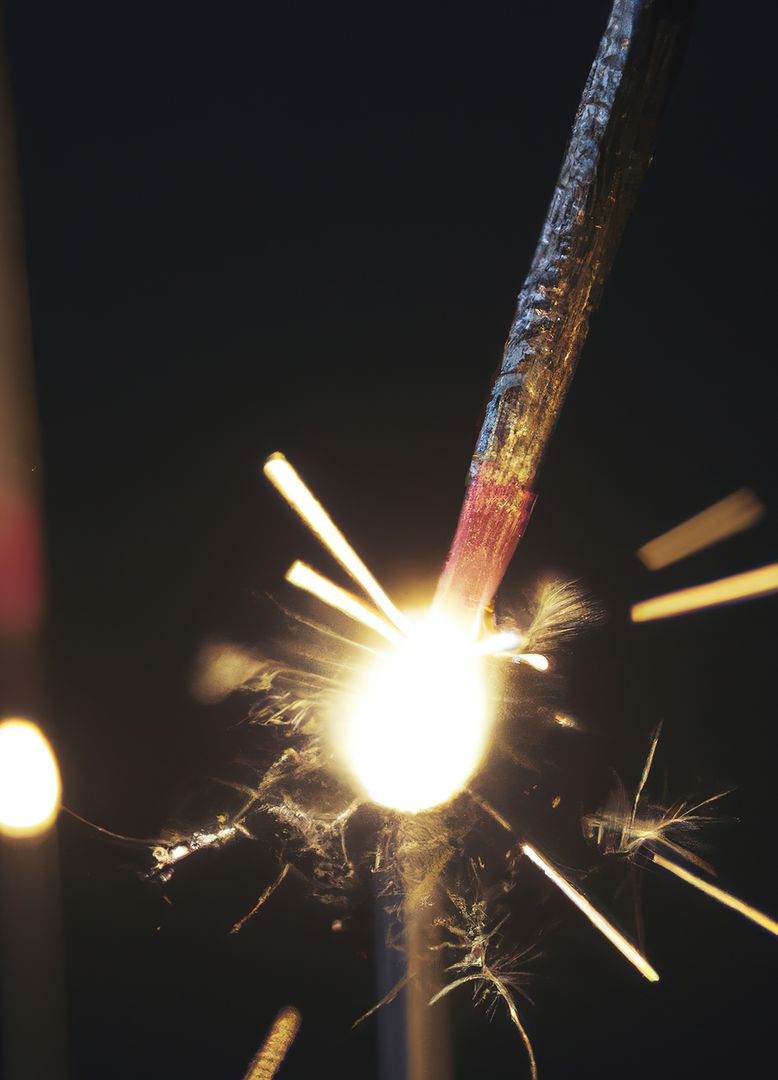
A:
(492, 521)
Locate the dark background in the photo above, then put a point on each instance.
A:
(302, 227)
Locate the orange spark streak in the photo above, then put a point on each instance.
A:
(271, 1054)
(723, 897)
(305, 577)
(288, 483)
(626, 949)
(739, 511)
(753, 583)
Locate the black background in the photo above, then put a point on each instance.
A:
(302, 227)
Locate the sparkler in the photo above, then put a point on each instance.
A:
(412, 726)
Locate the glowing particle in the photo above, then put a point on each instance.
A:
(626, 948)
(305, 577)
(535, 660)
(739, 511)
(270, 1056)
(723, 897)
(287, 481)
(29, 779)
(753, 583)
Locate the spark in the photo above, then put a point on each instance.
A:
(416, 734)
(716, 893)
(535, 660)
(30, 785)
(270, 1056)
(305, 577)
(288, 483)
(738, 512)
(264, 896)
(753, 583)
(626, 948)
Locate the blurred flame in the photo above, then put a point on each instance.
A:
(739, 511)
(29, 779)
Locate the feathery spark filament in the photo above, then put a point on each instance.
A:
(288, 483)
(738, 512)
(723, 897)
(626, 949)
(305, 577)
(745, 586)
(270, 1056)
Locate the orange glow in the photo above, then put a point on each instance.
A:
(270, 1056)
(753, 583)
(739, 511)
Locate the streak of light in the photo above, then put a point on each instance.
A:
(745, 586)
(288, 483)
(305, 577)
(270, 1056)
(501, 642)
(535, 660)
(723, 897)
(487, 808)
(264, 895)
(626, 948)
(739, 511)
(30, 786)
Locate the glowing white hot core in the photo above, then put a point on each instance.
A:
(418, 729)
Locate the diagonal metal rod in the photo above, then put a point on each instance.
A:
(610, 148)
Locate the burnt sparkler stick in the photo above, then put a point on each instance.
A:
(607, 156)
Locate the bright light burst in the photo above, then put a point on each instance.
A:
(420, 721)
(29, 779)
